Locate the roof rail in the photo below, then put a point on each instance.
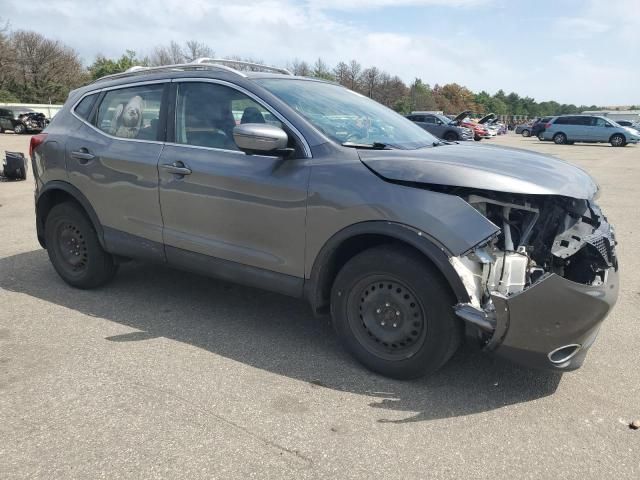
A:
(203, 63)
(224, 61)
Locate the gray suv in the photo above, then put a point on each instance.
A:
(306, 188)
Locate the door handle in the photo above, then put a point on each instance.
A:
(177, 168)
(83, 155)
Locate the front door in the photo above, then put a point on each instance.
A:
(218, 203)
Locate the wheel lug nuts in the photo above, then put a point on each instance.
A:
(395, 325)
(378, 310)
(387, 304)
(382, 323)
(397, 313)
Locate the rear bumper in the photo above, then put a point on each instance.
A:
(552, 314)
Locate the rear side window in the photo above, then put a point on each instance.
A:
(131, 112)
(583, 121)
(562, 121)
(83, 109)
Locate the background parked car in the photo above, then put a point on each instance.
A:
(441, 126)
(567, 129)
(629, 123)
(22, 120)
(524, 129)
(537, 128)
(479, 131)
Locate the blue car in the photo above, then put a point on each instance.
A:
(567, 129)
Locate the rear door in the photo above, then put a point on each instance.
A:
(112, 158)
(221, 204)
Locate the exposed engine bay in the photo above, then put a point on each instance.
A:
(540, 236)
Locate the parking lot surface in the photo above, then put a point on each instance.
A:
(164, 374)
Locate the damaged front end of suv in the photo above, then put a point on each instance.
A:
(540, 288)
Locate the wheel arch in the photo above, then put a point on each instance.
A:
(56, 192)
(356, 238)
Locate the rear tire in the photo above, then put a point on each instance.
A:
(74, 248)
(618, 140)
(477, 139)
(392, 311)
(526, 133)
(560, 139)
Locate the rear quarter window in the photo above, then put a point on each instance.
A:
(83, 109)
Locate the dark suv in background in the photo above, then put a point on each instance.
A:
(441, 126)
(537, 128)
(21, 120)
(305, 188)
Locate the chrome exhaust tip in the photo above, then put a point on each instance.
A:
(561, 355)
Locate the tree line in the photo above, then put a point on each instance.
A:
(35, 69)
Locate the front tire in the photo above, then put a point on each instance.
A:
(392, 311)
(560, 139)
(618, 140)
(451, 137)
(19, 129)
(74, 248)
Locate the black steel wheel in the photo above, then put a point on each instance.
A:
(387, 317)
(74, 248)
(392, 310)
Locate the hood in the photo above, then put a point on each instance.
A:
(486, 118)
(461, 116)
(493, 168)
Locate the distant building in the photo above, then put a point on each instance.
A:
(632, 115)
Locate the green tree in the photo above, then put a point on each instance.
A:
(106, 66)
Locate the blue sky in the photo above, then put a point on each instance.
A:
(583, 52)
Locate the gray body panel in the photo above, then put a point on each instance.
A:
(121, 182)
(242, 208)
(484, 167)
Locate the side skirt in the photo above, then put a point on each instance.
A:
(235, 272)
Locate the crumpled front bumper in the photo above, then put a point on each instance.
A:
(551, 314)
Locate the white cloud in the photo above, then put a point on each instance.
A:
(371, 4)
(579, 27)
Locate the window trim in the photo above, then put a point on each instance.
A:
(102, 92)
(306, 149)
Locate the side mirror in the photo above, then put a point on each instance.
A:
(260, 138)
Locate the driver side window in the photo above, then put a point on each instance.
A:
(206, 114)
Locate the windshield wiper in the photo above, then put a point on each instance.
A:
(371, 146)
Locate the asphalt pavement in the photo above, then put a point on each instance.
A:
(165, 374)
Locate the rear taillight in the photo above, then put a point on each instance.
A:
(547, 125)
(36, 141)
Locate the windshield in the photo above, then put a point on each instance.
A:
(443, 119)
(348, 117)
